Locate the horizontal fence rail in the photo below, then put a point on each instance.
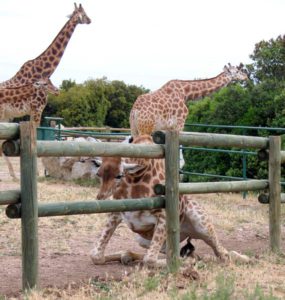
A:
(9, 197)
(9, 131)
(222, 140)
(216, 187)
(71, 148)
(90, 207)
(264, 198)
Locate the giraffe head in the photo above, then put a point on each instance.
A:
(113, 169)
(46, 85)
(235, 73)
(80, 15)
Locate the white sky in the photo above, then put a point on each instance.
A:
(142, 42)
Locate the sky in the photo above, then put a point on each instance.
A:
(142, 42)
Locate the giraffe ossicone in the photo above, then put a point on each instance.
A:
(166, 109)
(45, 64)
(33, 72)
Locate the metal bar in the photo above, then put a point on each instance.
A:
(9, 131)
(241, 152)
(274, 176)
(71, 148)
(9, 197)
(172, 199)
(222, 140)
(236, 127)
(210, 175)
(282, 157)
(29, 208)
(89, 133)
(90, 207)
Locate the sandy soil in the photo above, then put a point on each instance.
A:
(65, 242)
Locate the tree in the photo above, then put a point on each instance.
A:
(269, 60)
(82, 104)
(260, 102)
(122, 97)
(94, 103)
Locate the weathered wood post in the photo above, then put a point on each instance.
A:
(172, 198)
(171, 191)
(29, 205)
(274, 177)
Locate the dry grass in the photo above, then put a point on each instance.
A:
(232, 216)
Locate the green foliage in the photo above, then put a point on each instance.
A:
(259, 102)
(121, 97)
(269, 59)
(94, 103)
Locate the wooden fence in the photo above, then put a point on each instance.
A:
(23, 204)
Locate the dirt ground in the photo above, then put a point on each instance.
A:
(65, 242)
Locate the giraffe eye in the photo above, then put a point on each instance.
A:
(118, 177)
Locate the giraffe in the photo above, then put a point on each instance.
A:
(45, 64)
(166, 107)
(137, 181)
(29, 99)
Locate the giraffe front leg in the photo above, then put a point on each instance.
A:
(97, 253)
(36, 114)
(158, 239)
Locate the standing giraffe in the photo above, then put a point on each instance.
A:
(45, 64)
(29, 99)
(137, 181)
(166, 109)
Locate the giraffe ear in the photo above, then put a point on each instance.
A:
(240, 66)
(97, 162)
(132, 168)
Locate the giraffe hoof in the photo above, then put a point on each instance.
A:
(126, 258)
(97, 258)
(239, 258)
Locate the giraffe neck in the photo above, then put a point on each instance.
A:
(45, 64)
(195, 89)
(51, 57)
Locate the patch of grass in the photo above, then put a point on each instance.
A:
(150, 284)
(224, 290)
(258, 294)
(87, 182)
(249, 253)
(100, 285)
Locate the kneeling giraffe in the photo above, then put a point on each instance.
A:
(135, 179)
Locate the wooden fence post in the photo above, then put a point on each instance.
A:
(274, 177)
(172, 198)
(29, 205)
